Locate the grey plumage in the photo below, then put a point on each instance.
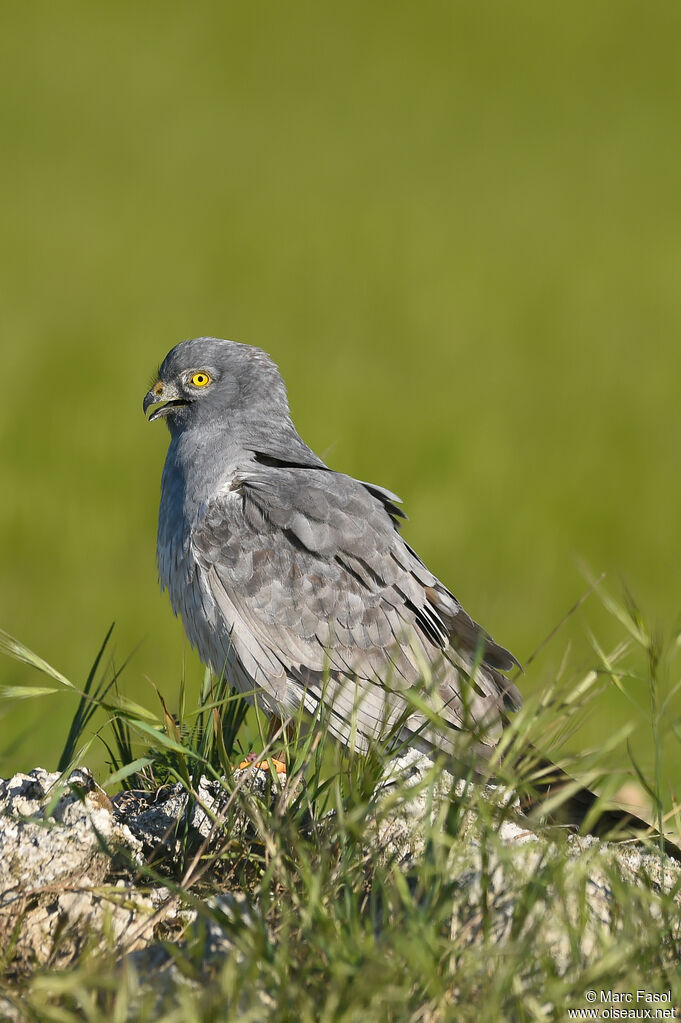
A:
(295, 578)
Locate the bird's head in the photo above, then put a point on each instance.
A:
(208, 380)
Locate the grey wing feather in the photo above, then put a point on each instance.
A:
(323, 600)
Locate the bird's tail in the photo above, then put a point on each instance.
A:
(556, 797)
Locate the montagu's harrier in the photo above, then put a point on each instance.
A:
(295, 579)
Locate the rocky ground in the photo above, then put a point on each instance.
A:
(79, 870)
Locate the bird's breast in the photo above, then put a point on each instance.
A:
(178, 570)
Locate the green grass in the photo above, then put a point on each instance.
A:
(330, 924)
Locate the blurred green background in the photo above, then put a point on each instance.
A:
(457, 229)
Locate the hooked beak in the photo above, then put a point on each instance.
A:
(164, 398)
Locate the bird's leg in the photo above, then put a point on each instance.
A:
(277, 726)
(284, 730)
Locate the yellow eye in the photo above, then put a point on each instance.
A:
(200, 379)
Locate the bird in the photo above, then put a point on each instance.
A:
(295, 580)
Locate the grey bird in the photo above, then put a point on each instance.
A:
(294, 579)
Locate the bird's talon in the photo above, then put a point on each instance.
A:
(263, 765)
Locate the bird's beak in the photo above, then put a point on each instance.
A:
(164, 398)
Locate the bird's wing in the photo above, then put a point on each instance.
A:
(325, 600)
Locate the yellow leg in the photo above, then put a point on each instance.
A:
(275, 725)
